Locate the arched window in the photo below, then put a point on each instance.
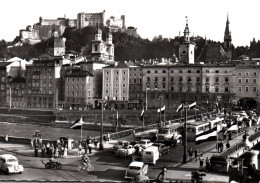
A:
(96, 47)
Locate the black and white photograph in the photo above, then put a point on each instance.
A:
(130, 91)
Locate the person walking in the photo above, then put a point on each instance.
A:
(79, 149)
(43, 150)
(65, 152)
(95, 143)
(190, 152)
(201, 161)
(196, 152)
(221, 146)
(32, 139)
(89, 149)
(162, 175)
(228, 145)
(208, 165)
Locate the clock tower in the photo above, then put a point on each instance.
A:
(186, 50)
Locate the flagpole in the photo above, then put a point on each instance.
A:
(116, 120)
(143, 123)
(185, 136)
(81, 130)
(164, 115)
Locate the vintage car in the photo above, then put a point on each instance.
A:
(9, 164)
(136, 168)
(126, 151)
(144, 143)
(119, 145)
(162, 148)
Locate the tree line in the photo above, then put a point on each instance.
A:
(127, 47)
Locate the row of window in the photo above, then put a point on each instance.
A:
(226, 89)
(247, 73)
(239, 80)
(43, 77)
(116, 72)
(116, 91)
(76, 79)
(135, 81)
(76, 93)
(246, 89)
(180, 79)
(217, 79)
(116, 79)
(38, 85)
(116, 85)
(76, 86)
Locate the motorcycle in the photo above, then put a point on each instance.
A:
(52, 164)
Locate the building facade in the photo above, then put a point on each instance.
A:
(79, 91)
(43, 85)
(116, 85)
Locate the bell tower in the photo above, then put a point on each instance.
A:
(186, 50)
(228, 40)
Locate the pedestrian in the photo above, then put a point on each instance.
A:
(6, 137)
(162, 176)
(95, 143)
(208, 164)
(32, 139)
(217, 146)
(89, 149)
(48, 148)
(190, 152)
(56, 155)
(196, 152)
(43, 150)
(221, 146)
(132, 158)
(86, 147)
(201, 161)
(228, 145)
(61, 153)
(52, 150)
(79, 149)
(40, 141)
(65, 152)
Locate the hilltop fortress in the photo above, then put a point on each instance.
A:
(45, 27)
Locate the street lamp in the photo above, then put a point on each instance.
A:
(185, 135)
(160, 98)
(101, 147)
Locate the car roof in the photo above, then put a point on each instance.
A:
(145, 140)
(136, 163)
(7, 156)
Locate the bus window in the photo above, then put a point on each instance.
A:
(201, 128)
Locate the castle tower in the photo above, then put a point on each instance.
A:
(186, 50)
(227, 40)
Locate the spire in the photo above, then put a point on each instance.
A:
(227, 32)
(186, 31)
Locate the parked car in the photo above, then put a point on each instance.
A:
(162, 148)
(144, 143)
(9, 164)
(136, 168)
(126, 151)
(119, 145)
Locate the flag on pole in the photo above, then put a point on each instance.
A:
(77, 124)
(193, 105)
(179, 108)
(161, 110)
(206, 136)
(142, 115)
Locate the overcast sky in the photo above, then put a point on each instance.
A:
(151, 17)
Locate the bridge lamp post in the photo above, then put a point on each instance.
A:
(101, 147)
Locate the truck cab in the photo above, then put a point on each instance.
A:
(167, 133)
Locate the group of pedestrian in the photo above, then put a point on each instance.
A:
(196, 153)
(59, 150)
(87, 145)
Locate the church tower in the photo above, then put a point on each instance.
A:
(110, 46)
(98, 47)
(186, 50)
(227, 40)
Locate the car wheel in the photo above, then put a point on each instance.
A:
(58, 166)
(48, 165)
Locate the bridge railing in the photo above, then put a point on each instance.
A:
(153, 126)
